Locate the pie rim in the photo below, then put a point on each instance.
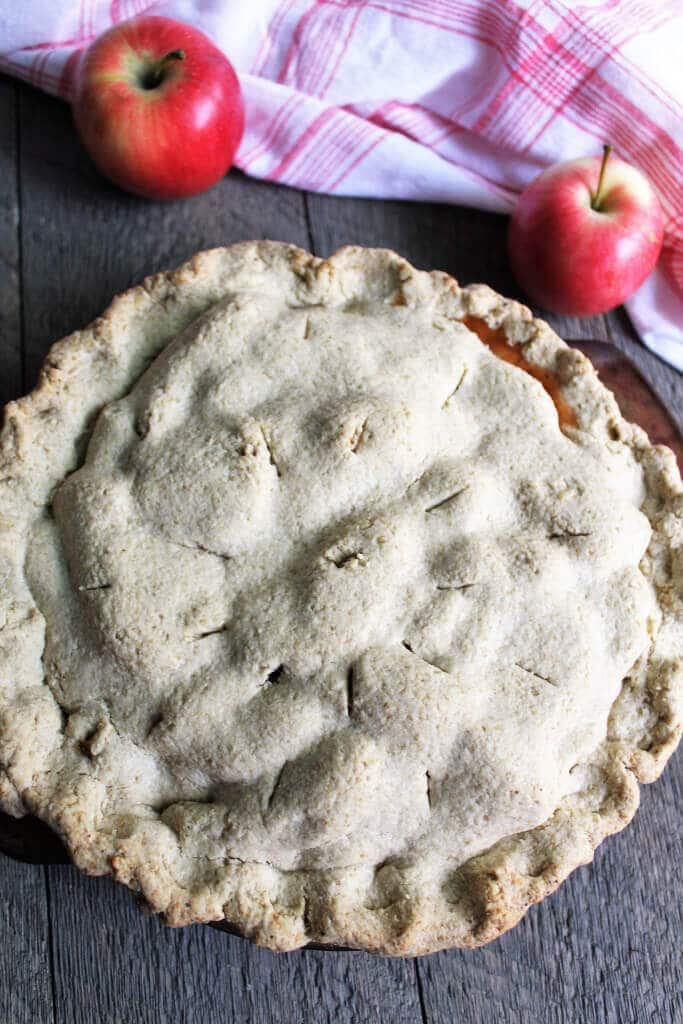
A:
(490, 892)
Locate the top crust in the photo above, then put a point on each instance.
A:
(311, 616)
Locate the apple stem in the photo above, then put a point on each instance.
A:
(174, 55)
(155, 74)
(597, 197)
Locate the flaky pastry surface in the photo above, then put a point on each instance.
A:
(312, 616)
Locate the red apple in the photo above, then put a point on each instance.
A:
(158, 107)
(585, 234)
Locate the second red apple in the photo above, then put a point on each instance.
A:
(585, 234)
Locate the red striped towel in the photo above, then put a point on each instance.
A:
(462, 101)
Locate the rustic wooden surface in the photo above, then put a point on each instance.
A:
(605, 948)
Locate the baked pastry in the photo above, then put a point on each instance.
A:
(320, 617)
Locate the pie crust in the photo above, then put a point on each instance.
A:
(314, 618)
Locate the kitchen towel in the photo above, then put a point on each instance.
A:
(461, 101)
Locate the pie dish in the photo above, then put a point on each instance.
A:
(337, 601)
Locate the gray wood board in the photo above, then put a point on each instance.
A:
(606, 947)
(85, 241)
(10, 293)
(125, 966)
(25, 975)
(25, 967)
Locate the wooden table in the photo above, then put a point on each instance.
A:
(606, 947)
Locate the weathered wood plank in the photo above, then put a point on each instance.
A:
(84, 241)
(25, 979)
(113, 963)
(25, 970)
(10, 297)
(606, 947)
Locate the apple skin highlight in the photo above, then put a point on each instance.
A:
(574, 259)
(158, 108)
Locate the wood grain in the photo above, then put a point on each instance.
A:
(10, 296)
(579, 956)
(85, 241)
(605, 948)
(25, 969)
(114, 963)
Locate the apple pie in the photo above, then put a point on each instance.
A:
(337, 601)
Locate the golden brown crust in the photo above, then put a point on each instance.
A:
(397, 909)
